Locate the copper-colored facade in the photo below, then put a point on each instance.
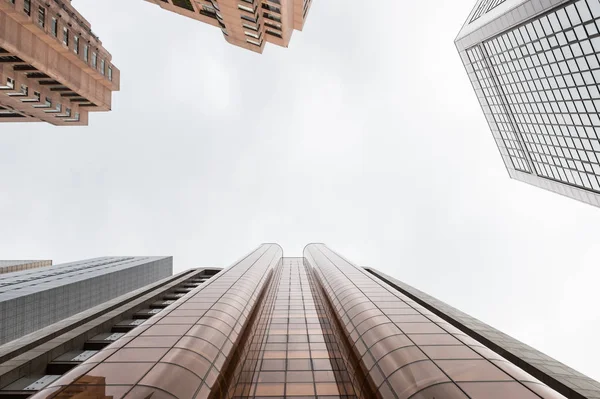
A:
(310, 327)
(53, 68)
(9, 266)
(246, 23)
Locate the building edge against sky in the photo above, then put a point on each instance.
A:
(35, 360)
(35, 298)
(9, 266)
(315, 326)
(249, 24)
(535, 69)
(53, 67)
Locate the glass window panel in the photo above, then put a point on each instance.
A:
(450, 352)
(138, 355)
(414, 377)
(270, 389)
(271, 376)
(434, 339)
(472, 370)
(299, 389)
(115, 373)
(180, 382)
(496, 390)
(443, 391)
(200, 346)
(167, 330)
(400, 358)
(544, 391)
(188, 359)
(273, 364)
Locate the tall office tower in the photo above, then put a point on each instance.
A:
(36, 298)
(53, 68)
(246, 23)
(535, 69)
(9, 266)
(34, 361)
(315, 327)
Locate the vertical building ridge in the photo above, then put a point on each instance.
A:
(316, 327)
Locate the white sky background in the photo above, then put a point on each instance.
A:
(365, 134)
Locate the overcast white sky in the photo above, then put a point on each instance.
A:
(364, 134)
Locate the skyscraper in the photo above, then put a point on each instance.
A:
(246, 23)
(36, 298)
(53, 68)
(315, 327)
(535, 69)
(9, 266)
(33, 361)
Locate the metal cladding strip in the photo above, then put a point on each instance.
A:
(555, 374)
(181, 352)
(406, 350)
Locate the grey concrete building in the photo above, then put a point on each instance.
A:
(36, 298)
(535, 69)
(9, 266)
(34, 361)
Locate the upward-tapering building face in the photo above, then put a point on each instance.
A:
(246, 23)
(535, 69)
(315, 327)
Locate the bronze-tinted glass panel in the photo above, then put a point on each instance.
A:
(473, 370)
(138, 355)
(117, 373)
(446, 390)
(543, 390)
(497, 390)
(414, 377)
(450, 352)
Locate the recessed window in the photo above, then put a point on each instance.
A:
(273, 33)
(10, 83)
(24, 90)
(27, 7)
(42, 17)
(86, 53)
(110, 73)
(66, 36)
(54, 27)
(272, 17)
(271, 8)
(76, 44)
(102, 66)
(186, 4)
(254, 42)
(94, 59)
(247, 18)
(248, 26)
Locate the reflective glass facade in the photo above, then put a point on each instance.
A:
(316, 327)
(535, 70)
